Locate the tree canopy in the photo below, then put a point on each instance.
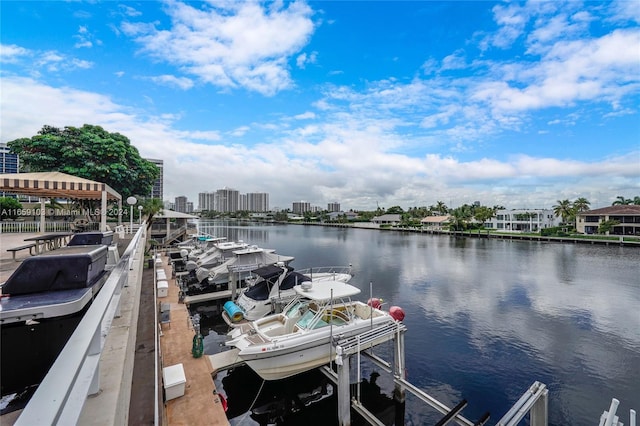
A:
(88, 152)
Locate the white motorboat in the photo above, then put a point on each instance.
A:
(218, 251)
(273, 288)
(246, 260)
(301, 337)
(203, 280)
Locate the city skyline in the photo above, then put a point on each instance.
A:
(366, 103)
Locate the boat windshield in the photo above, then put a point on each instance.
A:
(310, 320)
(296, 307)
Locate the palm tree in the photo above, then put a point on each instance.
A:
(581, 205)
(622, 201)
(563, 209)
(441, 208)
(460, 218)
(150, 208)
(636, 200)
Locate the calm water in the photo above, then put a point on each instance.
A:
(485, 318)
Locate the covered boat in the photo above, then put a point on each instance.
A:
(274, 288)
(42, 303)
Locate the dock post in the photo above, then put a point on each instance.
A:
(399, 394)
(344, 388)
(232, 285)
(538, 416)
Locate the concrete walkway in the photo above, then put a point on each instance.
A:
(7, 264)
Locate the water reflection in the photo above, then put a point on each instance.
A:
(487, 317)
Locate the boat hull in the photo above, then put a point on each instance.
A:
(284, 358)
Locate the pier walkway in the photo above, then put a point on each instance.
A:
(199, 405)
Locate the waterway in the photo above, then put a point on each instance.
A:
(485, 318)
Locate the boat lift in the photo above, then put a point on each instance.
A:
(533, 402)
(358, 345)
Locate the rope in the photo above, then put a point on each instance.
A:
(253, 403)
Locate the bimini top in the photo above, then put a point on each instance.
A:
(322, 291)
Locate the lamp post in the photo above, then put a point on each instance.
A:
(140, 214)
(131, 201)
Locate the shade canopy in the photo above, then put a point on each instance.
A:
(61, 185)
(56, 185)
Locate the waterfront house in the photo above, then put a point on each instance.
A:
(436, 223)
(387, 219)
(333, 216)
(627, 216)
(523, 220)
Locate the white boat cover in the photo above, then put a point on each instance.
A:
(326, 290)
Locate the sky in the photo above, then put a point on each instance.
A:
(364, 103)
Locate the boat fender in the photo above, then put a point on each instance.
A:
(221, 398)
(197, 348)
(234, 311)
(397, 313)
(375, 303)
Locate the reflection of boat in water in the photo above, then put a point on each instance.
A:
(273, 288)
(281, 407)
(302, 399)
(305, 399)
(300, 338)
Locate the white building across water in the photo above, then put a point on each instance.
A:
(524, 220)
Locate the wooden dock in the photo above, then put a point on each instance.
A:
(199, 405)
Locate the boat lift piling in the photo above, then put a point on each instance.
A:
(358, 345)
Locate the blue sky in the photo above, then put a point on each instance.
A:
(363, 103)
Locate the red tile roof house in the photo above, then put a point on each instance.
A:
(628, 217)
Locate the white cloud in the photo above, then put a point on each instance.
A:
(11, 53)
(303, 59)
(173, 81)
(230, 44)
(294, 167)
(305, 116)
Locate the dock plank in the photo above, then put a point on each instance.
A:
(199, 402)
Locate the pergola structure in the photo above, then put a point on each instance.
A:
(60, 185)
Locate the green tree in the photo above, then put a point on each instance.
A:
(460, 218)
(606, 226)
(441, 208)
(150, 208)
(621, 201)
(563, 209)
(581, 205)
(394, 210)
(88, 152)
(9, 208)
(636, 200)
(483, 213)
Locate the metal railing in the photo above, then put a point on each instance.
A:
(60, 398)
(7, 227)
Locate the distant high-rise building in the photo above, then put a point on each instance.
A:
(206, 201)
(300, 207)
(243, 205)
(227, 200)
(258, 202)
(8, 161)
(333, 207)
(189, 207)
(181, 204)
(156, 191)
